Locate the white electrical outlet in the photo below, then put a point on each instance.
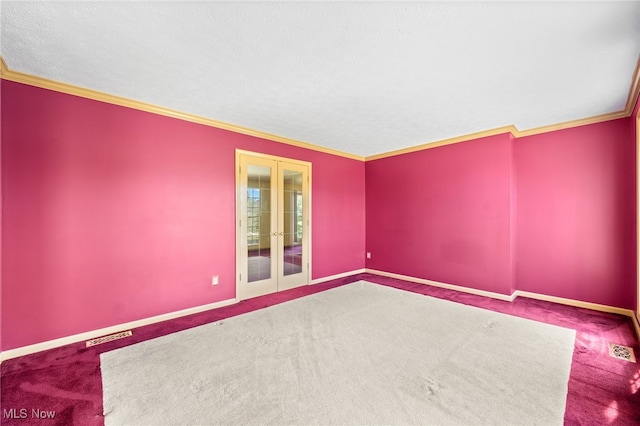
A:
(214, 280)
(368, 255)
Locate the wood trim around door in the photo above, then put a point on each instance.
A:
(309, 228)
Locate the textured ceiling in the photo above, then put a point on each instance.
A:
(362, 77)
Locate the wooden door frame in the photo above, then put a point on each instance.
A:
(308, 244)
(268, 285)
(284, 281)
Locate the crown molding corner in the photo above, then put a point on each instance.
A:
(634, 90)
(3, 67)
(471, 136)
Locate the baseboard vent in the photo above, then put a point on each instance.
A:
(109, 338)
(621, 352)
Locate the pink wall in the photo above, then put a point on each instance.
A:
(1, 198)
(576, 213)
(552, 214)
(444, 214)
(634, 129)
(111, 215)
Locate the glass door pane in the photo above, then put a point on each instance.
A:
(293, 225)
(273, 233)
(259, 256)
(292, 229)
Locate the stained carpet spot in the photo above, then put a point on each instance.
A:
(488, 324)
(621, 352)
(432, 387)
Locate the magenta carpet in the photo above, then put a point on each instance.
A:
(602, 390)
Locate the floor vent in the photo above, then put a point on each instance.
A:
(621, 352)
(109, 338)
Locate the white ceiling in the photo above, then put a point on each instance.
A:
(360, 77)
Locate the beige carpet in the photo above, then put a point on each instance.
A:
(357, 354)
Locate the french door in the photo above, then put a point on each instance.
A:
(273, 224)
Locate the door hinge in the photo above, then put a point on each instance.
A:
(240, 277)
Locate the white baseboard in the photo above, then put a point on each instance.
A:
(520, 293)
(26, 350)
(499, 296)
(335, 277)
(586, 305)
(573, 302)
(56, 343)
